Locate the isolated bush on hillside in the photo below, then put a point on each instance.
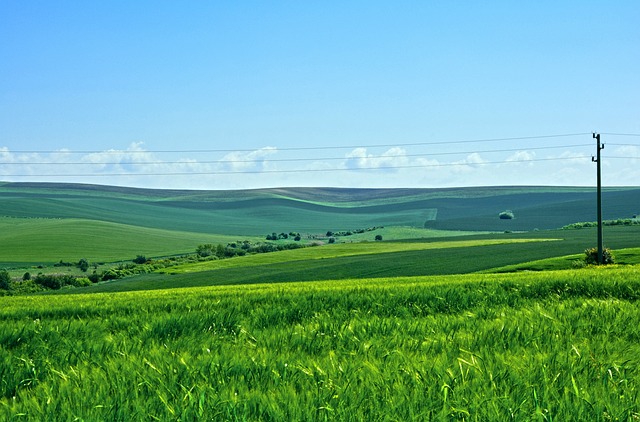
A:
(5, 280)
(140, 259)
(506, 215)
(591, 257)
(83, 264)
(379, 237)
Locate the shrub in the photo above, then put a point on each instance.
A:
(506, 215)
(205, 250)
(26, 276)
(140, 259)
(379, 237)
(591, 257)
(83, 264)
(5, 280)
(332, 240)
(54, 282)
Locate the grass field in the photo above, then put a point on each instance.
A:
(532, 346)
(415, 257)
(316, 210)
(46, 240)
(403, 329)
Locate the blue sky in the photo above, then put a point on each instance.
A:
(352, 94)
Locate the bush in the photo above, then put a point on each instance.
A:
(205, 250)
(83, 264)
(140, 259)
(26, 276)
(5, 280)
(506, 215)
(379, 237)
(591, 257)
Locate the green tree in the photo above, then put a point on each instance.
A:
(140, 259)
(207, 249)
(378, 237)
(507, 215)
(5, 280)
(83, 264)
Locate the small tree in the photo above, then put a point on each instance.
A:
(83, 264)
(506, 215)
(140, 259)
(379, 237)
(207, 249)
(5, 280)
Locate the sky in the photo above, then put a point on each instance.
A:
(244, 94)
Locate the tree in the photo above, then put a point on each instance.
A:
(83, 264)
(379, 237)
(140, 259)
(205, 250)
(5, 280)
(506, 215)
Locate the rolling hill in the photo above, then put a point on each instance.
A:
(42, 221)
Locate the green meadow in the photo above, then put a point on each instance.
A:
(455, 315)
(559, 345)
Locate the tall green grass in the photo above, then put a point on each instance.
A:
(554, 346)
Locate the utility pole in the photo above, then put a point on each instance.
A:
(600, 147)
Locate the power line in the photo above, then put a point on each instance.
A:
(436, 154)
(197, 173)
(199, 151)
(620, 134)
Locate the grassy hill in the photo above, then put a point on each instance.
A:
(418, 257)
(44, 240)
(111, 223)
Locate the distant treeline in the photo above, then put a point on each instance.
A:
(618, 222)
(139, 265)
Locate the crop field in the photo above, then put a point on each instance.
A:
(560, 345)
(416, 257)
(259, 212)
(46, 240)
(455, 315)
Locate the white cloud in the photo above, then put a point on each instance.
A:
(270, 167)
(521, 156)
(359, 158)
(247, 160)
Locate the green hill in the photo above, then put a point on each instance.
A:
(113, 222)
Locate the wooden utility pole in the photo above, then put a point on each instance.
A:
(600, 147)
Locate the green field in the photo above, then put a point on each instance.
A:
(114, 223)
(486, 320)
(555, 346)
